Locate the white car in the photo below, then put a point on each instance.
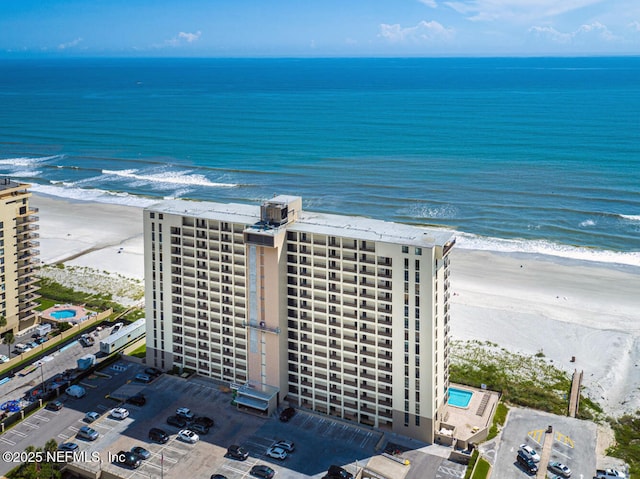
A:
(529, 451)
(277, 453)
(189, 436)
(288, 446)
(3, 359)
(119, 413)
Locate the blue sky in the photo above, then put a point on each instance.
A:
(318, 28)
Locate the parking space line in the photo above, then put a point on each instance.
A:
(7, 441)
(17, 433)
(63, 436)
(41, 418)
(564, 439)
(32, 426)
(555, 451)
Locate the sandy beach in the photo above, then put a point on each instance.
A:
(524, 303)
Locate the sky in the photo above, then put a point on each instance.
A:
(318, 28)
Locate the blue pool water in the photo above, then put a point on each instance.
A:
(63, 314)
(459, 397)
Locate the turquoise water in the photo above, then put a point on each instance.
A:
(459, 397)
(515, 154)
(63, 314)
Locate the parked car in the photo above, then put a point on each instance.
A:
(218, 476)
(68, 447)
(237, 452)
(128, 458)
(137, 400)
(288, 446)
(3, 359)
(42, 339)
(205, 421)
(116, 327)
(158, 435)
(142, 378)
(559, 468)
(91, 416)
(287, 414)
(88, 433)
(54, 405)
(86, 340)
(189, 436)
(529, 451)
(176, 421)
(277, 453)
(33, 344)
(141, 452)
(262, 471)
(120, 413)
(186, 413)
(199, 428)
(526, 463)
(153, 372)
(338, 472)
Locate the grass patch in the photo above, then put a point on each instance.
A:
(140, 352)
(499, 418)
(627, 432)
(482, 469)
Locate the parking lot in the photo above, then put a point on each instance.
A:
(320, 441)
(574, 442)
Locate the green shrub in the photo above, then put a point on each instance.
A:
(472, 462)
(482, 469)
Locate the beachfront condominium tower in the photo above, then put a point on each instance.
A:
(18, 257)
(343, 315)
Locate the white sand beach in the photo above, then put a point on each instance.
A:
(524, 303)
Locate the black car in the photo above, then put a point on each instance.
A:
(287, 414)
(153, 372)
(137, 400)
(199, 428)
(54, 406)
(338, 472)
(526, 463)
(158, 435)
(262, 471)
(237, 452)
(205, 421)
(218, 476)
(176, 421)
(128, 458)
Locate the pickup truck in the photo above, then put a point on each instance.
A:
(609, 474)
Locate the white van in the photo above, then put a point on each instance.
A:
(22, 348)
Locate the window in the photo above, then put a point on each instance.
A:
(418, 251)
(417, 265)
(405, 249)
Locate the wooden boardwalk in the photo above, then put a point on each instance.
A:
(574, 394)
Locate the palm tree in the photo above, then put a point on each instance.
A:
(3, 321)
(9, 339)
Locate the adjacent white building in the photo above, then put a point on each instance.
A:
(344, 315)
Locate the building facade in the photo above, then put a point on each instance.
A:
(346, 316)
(19, 258)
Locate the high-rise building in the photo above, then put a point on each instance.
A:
(19, 260)
(344, 315)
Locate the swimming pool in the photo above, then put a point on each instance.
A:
(63, 314)
(459, 397)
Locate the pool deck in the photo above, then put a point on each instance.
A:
(81, 313)
(470, 421)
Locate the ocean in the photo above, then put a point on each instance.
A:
(537, 155)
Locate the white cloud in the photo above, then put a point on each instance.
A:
(595, 30)
(429, 3)
(422, 32)
(518, 10)
(71, 44)
(183, 38)
(635, 25)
